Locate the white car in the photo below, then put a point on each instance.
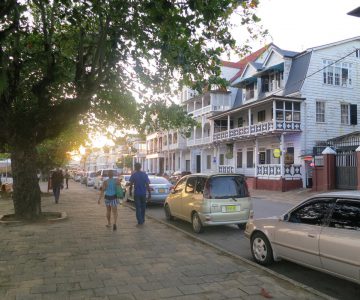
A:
(323, 233)
(90, 178)
(102, 175)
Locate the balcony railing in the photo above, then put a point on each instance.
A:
(263, 127)
(274, 170)
(199, 141)
(226, 169)
(207, 109)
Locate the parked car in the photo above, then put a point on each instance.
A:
(90, 178)
(323, 233)
(160, 188)
(77, 176)
(83, 179)
(206, 200)
(102, 175)
(125, 180)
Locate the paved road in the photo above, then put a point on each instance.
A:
(79, 258)
(232, 239)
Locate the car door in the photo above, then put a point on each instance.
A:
(297, 237)
(188, 201)
(340, 241)
(175, 198)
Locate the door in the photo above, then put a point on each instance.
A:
(346, 170)
(340, 241)
(198, 163)
(175, 199)
(297, 239)
(188, 200)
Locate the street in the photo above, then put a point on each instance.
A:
(232, 239)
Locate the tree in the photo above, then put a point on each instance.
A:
(62, 61)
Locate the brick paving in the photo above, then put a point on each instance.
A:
(79, 258)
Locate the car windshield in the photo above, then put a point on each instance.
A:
(158, 180)
(222, 187)
(106, 173)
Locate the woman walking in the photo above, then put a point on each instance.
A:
(111, 202)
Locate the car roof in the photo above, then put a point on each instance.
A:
(342, 194)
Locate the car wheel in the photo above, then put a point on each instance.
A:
(168, 214)
(242, 226)
(196, 223)
(261, 249)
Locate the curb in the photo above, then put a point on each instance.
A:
(233, 255)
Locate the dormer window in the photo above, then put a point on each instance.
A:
(250, 90)
(271, 81)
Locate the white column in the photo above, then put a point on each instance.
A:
(274, 114)
(212, 124)
(228, 122)
(282, 157)
(181, 161)
(249, 117)
(201, 160)
(256, 155)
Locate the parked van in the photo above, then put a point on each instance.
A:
(207, 200)
(102, 175)
(90, 178)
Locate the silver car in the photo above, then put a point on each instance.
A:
(323, 233)
(207, 200)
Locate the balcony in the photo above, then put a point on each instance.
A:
(199, 141)
(259, 128)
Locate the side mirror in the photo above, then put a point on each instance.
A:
(284, 218)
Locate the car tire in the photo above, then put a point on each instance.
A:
(168, 214)
(261, 249)
(196, 223)
(241, 226)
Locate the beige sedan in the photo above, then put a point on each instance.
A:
(322, 232)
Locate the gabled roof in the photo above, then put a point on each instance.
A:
(334, 44)
(241, 64)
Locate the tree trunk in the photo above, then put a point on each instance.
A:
(26, 196)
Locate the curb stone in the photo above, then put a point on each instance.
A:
(233, 255)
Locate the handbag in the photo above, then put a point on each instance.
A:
(119, 192)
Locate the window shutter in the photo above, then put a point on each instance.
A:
(353, 114)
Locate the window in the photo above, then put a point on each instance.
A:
(221, 159)
(289, 155)
(180, 186)
(250, 90)
(261, 116)
(287, 111)
(208, 161)
(250, 158)
(345, 112)
(346, 215)
(222, 187)
(271, 81)
(190, 185)
(262, 156)
(241, 122)
(313, 213)
(175, 137)
(338, 74)
(200, 184)
(320, 112)
(239, 158)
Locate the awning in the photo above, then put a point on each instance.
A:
(241, 82)
(278, 68)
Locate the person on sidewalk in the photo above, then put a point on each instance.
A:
(57, 182)
(67, 176)
(141, 182)
(109, 189)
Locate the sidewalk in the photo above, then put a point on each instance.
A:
(79, 258)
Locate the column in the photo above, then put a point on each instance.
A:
(181, 161)
(329, 168)
(228, 123)
(282, 156)
(256, 155)
(249, 117)
(358, 167)
(274, 114)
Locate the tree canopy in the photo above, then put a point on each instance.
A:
(62, 61)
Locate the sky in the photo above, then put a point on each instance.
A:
(298, 25)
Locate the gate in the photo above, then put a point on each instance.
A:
(346, 170)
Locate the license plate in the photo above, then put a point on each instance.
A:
(230, 208)
(161, 190)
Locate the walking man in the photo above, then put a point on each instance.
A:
(141, 182)
(67, 176)
(57, 181)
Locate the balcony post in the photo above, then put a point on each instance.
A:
(249, 118)
(274, 115)
(228, 125)
(282, 157)
(256, 156)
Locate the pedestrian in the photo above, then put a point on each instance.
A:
(67, 176)
(141, 182)
(57, 183)
(108, 189)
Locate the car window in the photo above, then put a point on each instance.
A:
(313, 212)
(159, 180)
(180, 185)
(200, 184)
(346, 215)
(190, 185)
(222, 187)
